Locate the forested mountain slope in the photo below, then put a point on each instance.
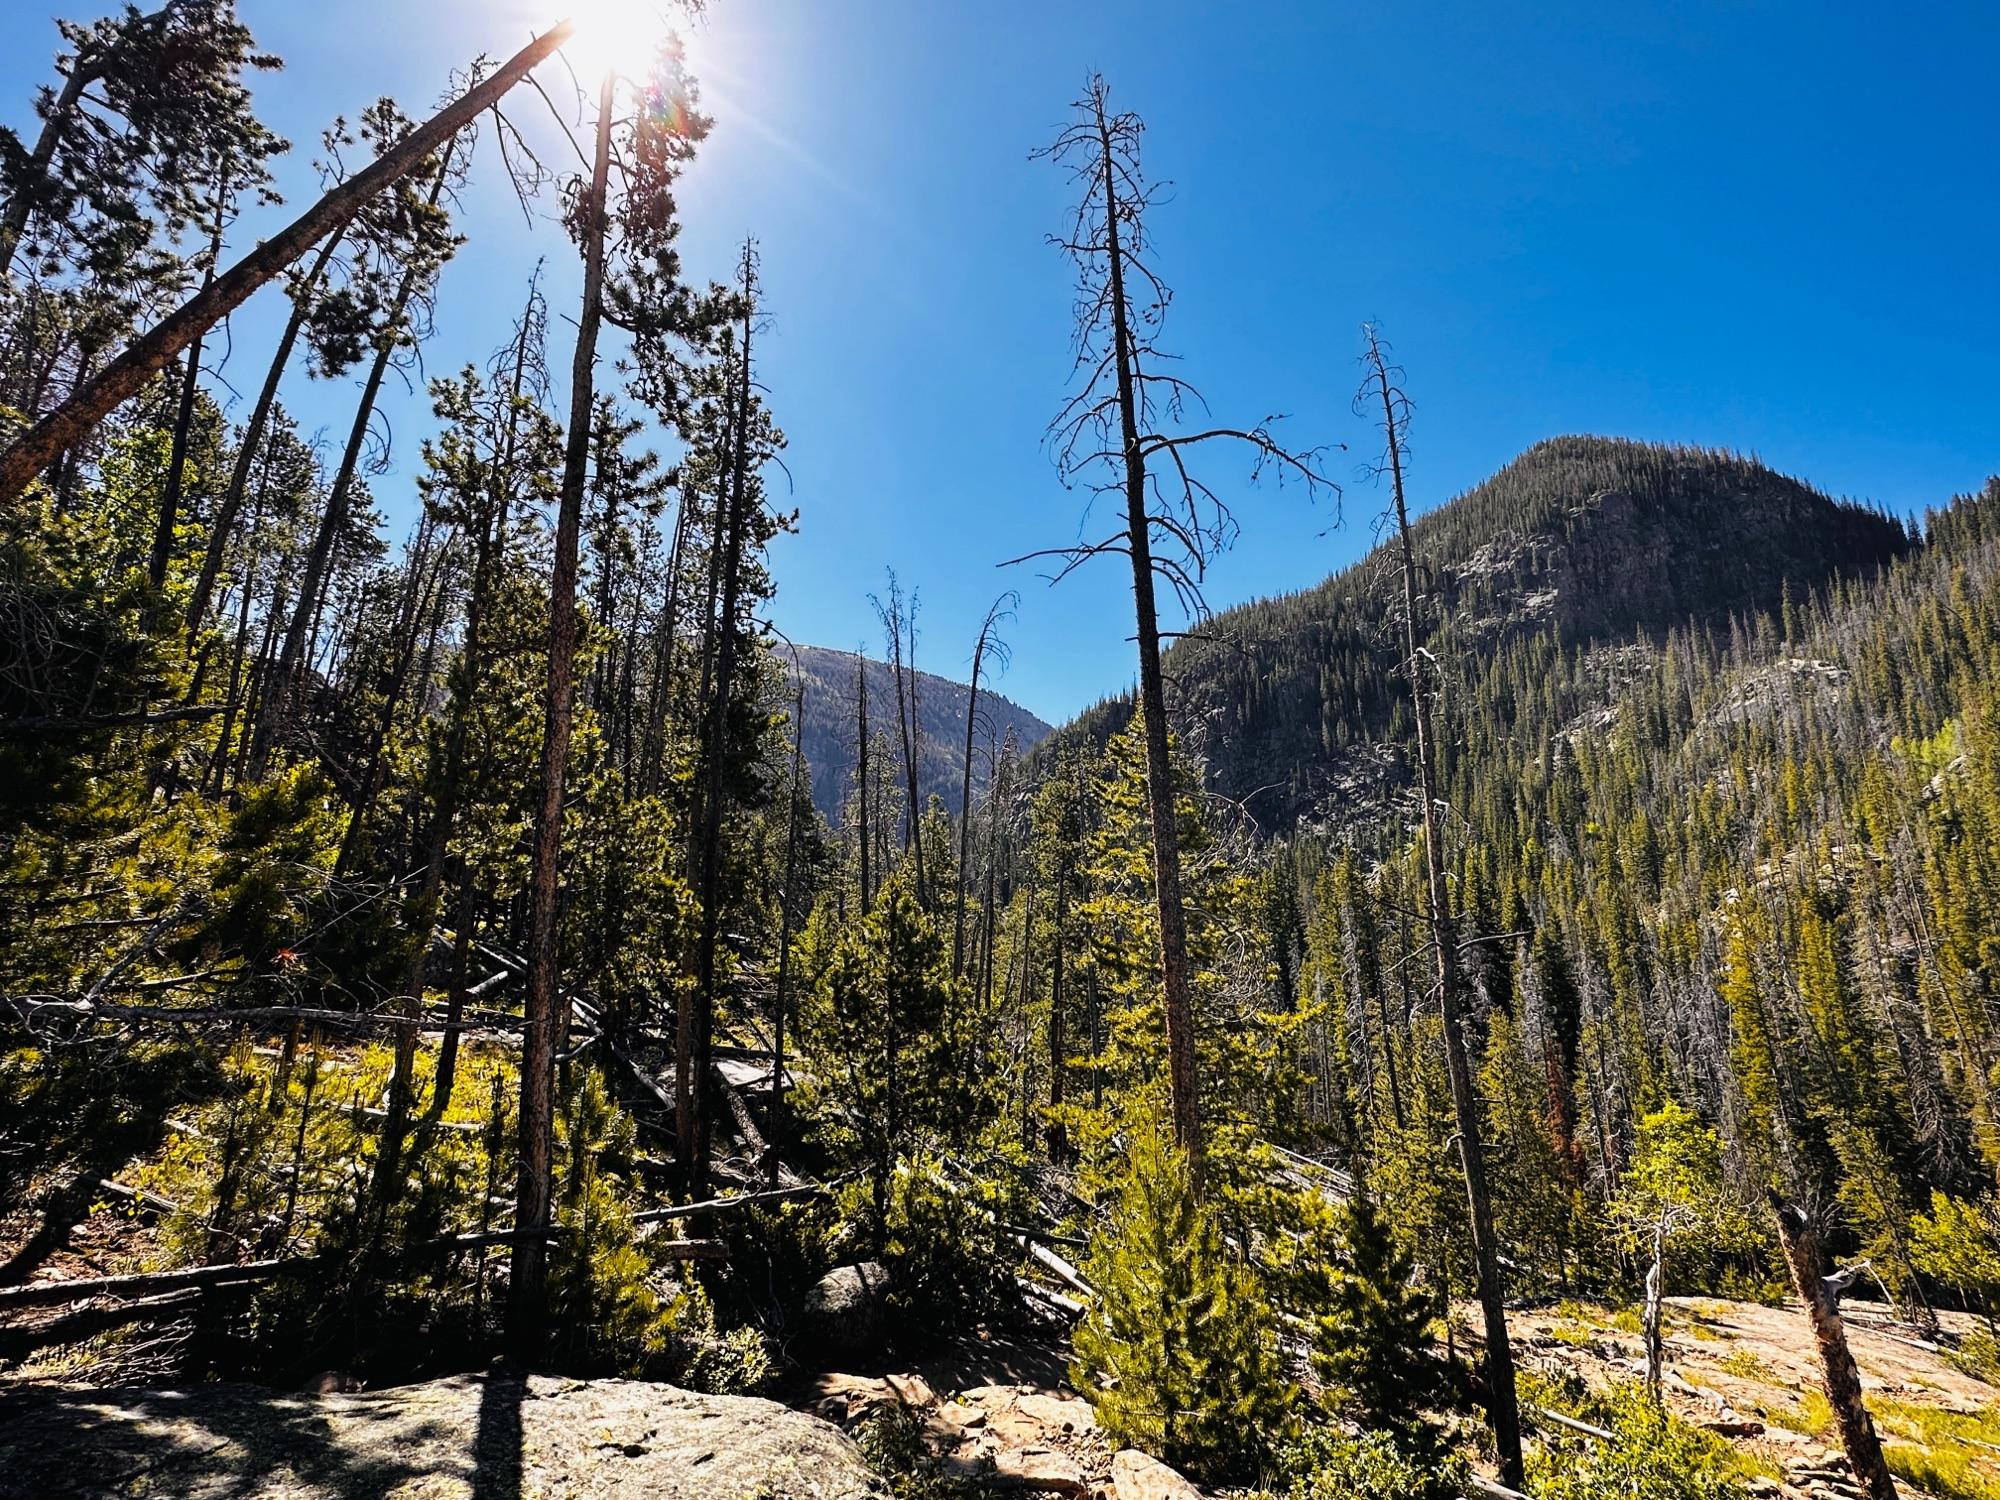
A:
(829, 726)
(1295, 704)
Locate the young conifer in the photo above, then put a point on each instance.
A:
(1179, 1353)
(1373, 1344)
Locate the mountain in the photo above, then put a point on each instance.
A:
(1598, 546)
(829, 726)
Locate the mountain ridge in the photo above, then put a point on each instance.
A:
(828, 730)
(1295, 701)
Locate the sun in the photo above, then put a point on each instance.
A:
(614, 35)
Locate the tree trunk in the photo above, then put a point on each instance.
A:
(334, 519)
(1656, 1279)
(965, 807)
(54, 434)
(170, 495)
(695, 1117)
(83, 72)
(545, 1019)
(1058, 1142)
(1799, 1237)
(253, 437)
(775, 1119)
(1502, 1410)
(861, 771)
(1176, 982)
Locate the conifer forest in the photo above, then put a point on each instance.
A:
(484, 1012)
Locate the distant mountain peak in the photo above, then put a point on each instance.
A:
(829, 729)
(1578, 540)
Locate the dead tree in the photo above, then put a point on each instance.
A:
(1502, 1410)
(989, 643)
(1805, 1255)
(900, 623)
(1121, 434)
(125, 376)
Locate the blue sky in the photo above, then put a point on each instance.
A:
(1771, 227)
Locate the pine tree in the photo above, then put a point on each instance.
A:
(1178, 1354)
(1373, 1344)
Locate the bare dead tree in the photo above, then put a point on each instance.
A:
(988, 644)
(899, 624)
(1123, 434)
(1805, 1255)
(1502, 1410)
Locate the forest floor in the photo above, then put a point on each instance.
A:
(1750, 1372)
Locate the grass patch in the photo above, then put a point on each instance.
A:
(1745, 1365)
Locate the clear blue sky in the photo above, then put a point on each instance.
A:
(1773, 227)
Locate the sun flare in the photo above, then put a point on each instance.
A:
(615, 35)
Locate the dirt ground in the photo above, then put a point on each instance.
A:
(1742, 1366)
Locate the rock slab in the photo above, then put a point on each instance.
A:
(472, 1437)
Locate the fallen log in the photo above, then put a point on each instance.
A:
(1543, 1414)
(141, 1283)
(1056, 1266)
(704, 1250)
(723, 1205)
(1047, 1237)
(1035, 1291)
(89, 1321)
(139, 1196)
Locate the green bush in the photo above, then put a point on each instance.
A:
(893, 1444)
(949, 1262)
(1178, 1354)
(1372, 1345)
(1655, 1456)
(1325, 1464)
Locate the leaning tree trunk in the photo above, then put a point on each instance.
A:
(1176, 980)
(339, 500)
(125, 376)
(546, 1019)
(1799, 1237)
(253, 436)
(83, 72)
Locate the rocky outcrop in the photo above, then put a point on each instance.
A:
(472, 1437)
(1138, 1476)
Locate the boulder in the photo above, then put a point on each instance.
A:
(845, 1312)
(467, 1438)
(1140, 1476)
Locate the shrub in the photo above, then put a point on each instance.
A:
(948, 1259)
(1373, 1344)
(1178, 1354)
(1655, 1456)
(1325, 1464)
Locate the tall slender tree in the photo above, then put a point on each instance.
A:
(1108, 436)
(1420, 667)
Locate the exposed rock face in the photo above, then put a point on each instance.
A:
(1137, 1476)
(844, 1312)
(467, 1438)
